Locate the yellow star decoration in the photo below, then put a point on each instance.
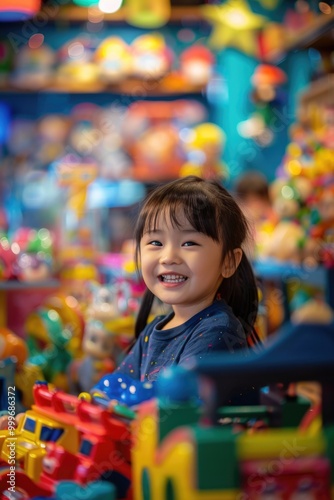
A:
(234, 25)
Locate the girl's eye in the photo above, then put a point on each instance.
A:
(189, 244)
(155, 243)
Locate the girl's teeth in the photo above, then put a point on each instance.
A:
(173, 278)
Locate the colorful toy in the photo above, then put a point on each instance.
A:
(7, 260)
(33, 67)
(77, 234)
(12, 345)
(177, 446)
(196, 460)
(76, 67)
(122, 388)
(267, 97)
(196, 65)
(287, 238)
(114, 59)
(14, 353)
(204, 147)
(72, 319)
(98, 348)
(323, 231)
(152, 59)
(35, 249)
(147, 14)
(85, 443)
(47, 341)
(152, 136)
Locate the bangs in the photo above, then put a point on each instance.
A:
(195, 206)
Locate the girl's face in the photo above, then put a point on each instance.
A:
(181, 266)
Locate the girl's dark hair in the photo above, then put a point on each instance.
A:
(211, 210)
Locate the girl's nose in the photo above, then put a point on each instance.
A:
(170, 256)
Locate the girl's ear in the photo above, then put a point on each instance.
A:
(231, 263)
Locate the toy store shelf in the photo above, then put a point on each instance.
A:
(169, 85)
(306, 37)
(319, 90)
(178, 14)
(25, 285)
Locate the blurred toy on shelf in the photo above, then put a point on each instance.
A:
(72, 318)
(204, 145)
(84, 136)
(322, 232)
(267, 98)
(152, 136)
(152, 58)
(77, 228)
(52, 131)
(33, 65)
(287, 239)
(148, 14)
(12, 345)
(14, 355)
(7, 260)
(35, 258)
(313, 310)
(113, 161)
(76, 278)
(76, 66)
(102, 306)
(196, 65)
(305, 179)
(98, 350)
(28, 256)
(114, 59)
(47, 341)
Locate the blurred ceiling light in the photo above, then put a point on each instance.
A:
(110, 6)
(18, 10)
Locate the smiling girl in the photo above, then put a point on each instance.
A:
(189, 238)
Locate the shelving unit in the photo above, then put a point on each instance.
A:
(321, 90)
(317, 34)
(178, 13)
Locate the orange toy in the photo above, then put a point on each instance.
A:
(12, 345)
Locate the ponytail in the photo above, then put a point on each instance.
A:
(240, 291)
(144, 312)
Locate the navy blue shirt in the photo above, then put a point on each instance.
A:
(214, 329)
